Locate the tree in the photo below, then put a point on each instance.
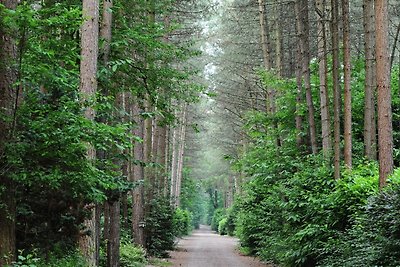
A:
(385, 128)
(320, 8)
(8, 105)
(89, 239)
(336, 86)
(347, 85)
(370, 80)
(302, 25)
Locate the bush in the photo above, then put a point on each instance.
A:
(292, 218)
(222, 226)
(131, 255)
(182, 222)
(31, 259)
(374, 239)
(159, 228)
(218, 215)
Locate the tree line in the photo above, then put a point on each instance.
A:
(94, 100)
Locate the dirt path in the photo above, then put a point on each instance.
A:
(205, 248)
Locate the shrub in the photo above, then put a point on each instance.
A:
(182, 222)
(218, 215)
(159, 228)
(131, 255)
(222, 226)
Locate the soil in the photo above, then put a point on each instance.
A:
(205, 248)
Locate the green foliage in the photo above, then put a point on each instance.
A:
(293, 209)
(32, 259)
(182, 222)
(131, 255)
(159, 227)
(222, 226)
(192, 198)
(218, 215)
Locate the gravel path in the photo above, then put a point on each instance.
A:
(205, 248)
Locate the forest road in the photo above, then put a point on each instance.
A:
(205, 248)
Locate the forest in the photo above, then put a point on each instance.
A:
(125, 125)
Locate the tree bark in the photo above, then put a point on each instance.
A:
(336, 86)
(302, 25)
(324, 99)
(181, 154)
(113, 241)
(385, 129)
(137, 171)
(370, 80)
(8, 105)
(88, 87)
(347, 85)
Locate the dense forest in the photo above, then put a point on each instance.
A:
(127, 124)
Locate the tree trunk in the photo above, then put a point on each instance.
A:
(174, 165)
(336, 86)
(88, 87)
(299, 99)
(137, 171)
(113, 241)
(320, 7)
(302, 25)
(370, 80)
(181, 154)
(264, 35)
(8, 98)
(347, 85)
(385, 131)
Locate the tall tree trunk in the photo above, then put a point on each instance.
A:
(278, 39)
(137, 171)
(181, 154)
(161, 158)
(264, 35)
(113, 241)
(89, 52)
(347, 85)
(174, 164)
(299, 99)
(370, 80)
(113, 227)
(8, 98)
(320, 7)
(302, 25)
(336, 86)
(385, 129)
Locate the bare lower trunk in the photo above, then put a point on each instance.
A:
(301, 7)
(88, 71)
(385, 129)
(370, 80)
(181, 154)
(347, 86)
(323, 91)
(138, 175)
(114, 233)
(8, 105)
(336, 86)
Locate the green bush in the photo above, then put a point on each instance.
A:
(182, 222)
(159, 228)
(131, 255)
(293, 217)
(218, 215)
(374, 239)
(32, 259)
(222, 226)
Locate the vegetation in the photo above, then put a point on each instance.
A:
(126, 125)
